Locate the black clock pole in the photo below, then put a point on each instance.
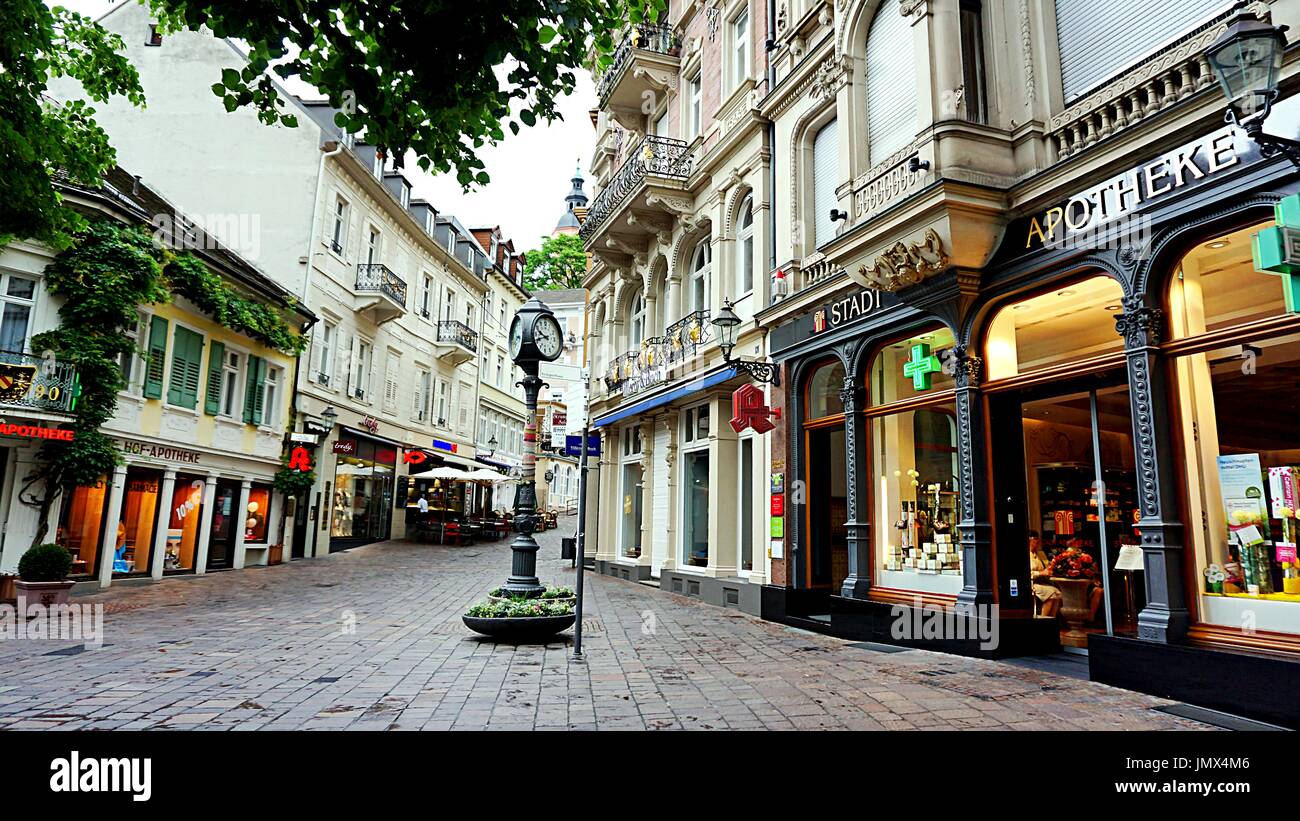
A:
(523, 567)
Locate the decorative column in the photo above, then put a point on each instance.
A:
(858, 582)
(974, 527)
(670, 466)
(1165, 617)
(112, 517)
(724, 513)
(648, 500)
(611, 505)
(241, 516)
(205, 524)
(166, 491)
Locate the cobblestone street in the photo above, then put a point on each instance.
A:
(372, 640)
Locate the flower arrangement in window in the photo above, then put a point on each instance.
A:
(1073, 563)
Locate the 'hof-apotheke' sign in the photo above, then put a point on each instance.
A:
(165, 453)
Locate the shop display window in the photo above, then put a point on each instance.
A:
(1239, 399)
(696, 481)
(256, 514)
(183, 524)
(824, 391)
(79, 530)
(917, 366)
(139, 518)
(363, 489)
(1070, 323)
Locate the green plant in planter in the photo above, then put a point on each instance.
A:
(45, 563)
(562, 592)
(519, 609)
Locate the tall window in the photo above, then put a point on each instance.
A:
(449, 307)
(974, 84)
(825, 172)
(230, 369)
(745, 253)
(423, 385)
(740, 48)
(19, 297)
(426, 296)
(325, 351)
(695, 486)
(694, 103)
(372, 247)
(632, 491)
(914, 462)
(271, 395)
(636, 329)
(339, 236)
(128, 360)
(361, 371)
(701, 267)
(443, 399)
(891, 83)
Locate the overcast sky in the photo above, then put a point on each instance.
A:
(530, 172)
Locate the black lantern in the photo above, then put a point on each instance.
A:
(491, 447)
(329, 417)
(725, 322)
(1246, 60)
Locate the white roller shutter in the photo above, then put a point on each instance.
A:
(891, 83)
(1098, 38)
(826, 166)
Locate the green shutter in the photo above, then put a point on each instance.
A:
(157, 357)
(216, 361)
(253, 390)
(187, 369)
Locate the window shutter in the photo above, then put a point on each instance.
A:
(1099, 38)
(216, 362)
(187, 369)
(826, 163)
(891, 83)
(157, 357)
(253, 391)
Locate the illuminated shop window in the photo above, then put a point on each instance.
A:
(1070, 323)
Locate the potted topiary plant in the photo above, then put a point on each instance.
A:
(43, 574)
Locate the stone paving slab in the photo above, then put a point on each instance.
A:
(371, 639)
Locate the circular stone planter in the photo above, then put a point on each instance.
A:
(523, 629)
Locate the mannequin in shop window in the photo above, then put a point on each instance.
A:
(1047, 595)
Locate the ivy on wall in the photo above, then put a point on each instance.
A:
(103, 277)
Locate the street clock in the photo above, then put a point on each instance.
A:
(535, 335)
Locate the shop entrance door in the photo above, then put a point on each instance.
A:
(828, 508)
(1066, 500)
(221, 546)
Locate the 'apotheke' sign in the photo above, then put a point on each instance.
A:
(1126, 193)
(165, 453)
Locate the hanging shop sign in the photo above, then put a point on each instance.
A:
(1276, 249)
(439, 444)
(559, 419)
(305, 438)
(370, 423)
(749, 410)
(164, 452)
(414, 457)
(345, 447)
(573, 445)
(300, 460)
(35, 432)
(922, 367)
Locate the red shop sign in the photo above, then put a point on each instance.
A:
(345, 446)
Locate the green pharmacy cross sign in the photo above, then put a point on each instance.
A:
(1277, 249)
(921, 367)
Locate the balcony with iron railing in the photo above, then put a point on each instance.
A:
(37, 383)
(456, 342)
(377, 279)
(657, 167)
(646, 59)
(660, 359)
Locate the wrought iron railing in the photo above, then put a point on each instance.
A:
(37, 382)
(654, 156)
(656, 37)
(653, 361)
(458, 333)
(375, 277)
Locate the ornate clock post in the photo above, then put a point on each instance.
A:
(535, 336)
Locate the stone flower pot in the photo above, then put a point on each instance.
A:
(46, 594)
(1074, 609)
(519, 630)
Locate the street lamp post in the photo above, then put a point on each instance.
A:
(535, 336)
(1246, 60)
(726, 321)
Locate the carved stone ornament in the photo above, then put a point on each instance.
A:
(902, 264)
(913, 8)
(1139, 325)
(831, 75)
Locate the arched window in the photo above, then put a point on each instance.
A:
(1066, 324)
(825, 174)
(891, 83)
(745, 257)
(824, 391)
(636, 329)
(701, 266)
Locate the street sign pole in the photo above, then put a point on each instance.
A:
(581, 550)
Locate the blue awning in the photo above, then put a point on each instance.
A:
(664, 398)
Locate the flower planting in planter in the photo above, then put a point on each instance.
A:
(517, 618)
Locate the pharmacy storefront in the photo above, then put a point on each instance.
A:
(170, 510)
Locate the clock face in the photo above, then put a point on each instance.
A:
(548, 337)
(516, 337)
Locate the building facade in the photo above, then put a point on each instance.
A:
(1011, 296)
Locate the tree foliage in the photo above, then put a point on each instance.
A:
(440, 78)
(39, 137)
(560, 263)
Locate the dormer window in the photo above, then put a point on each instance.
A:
(406, 196)
(377, 167)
